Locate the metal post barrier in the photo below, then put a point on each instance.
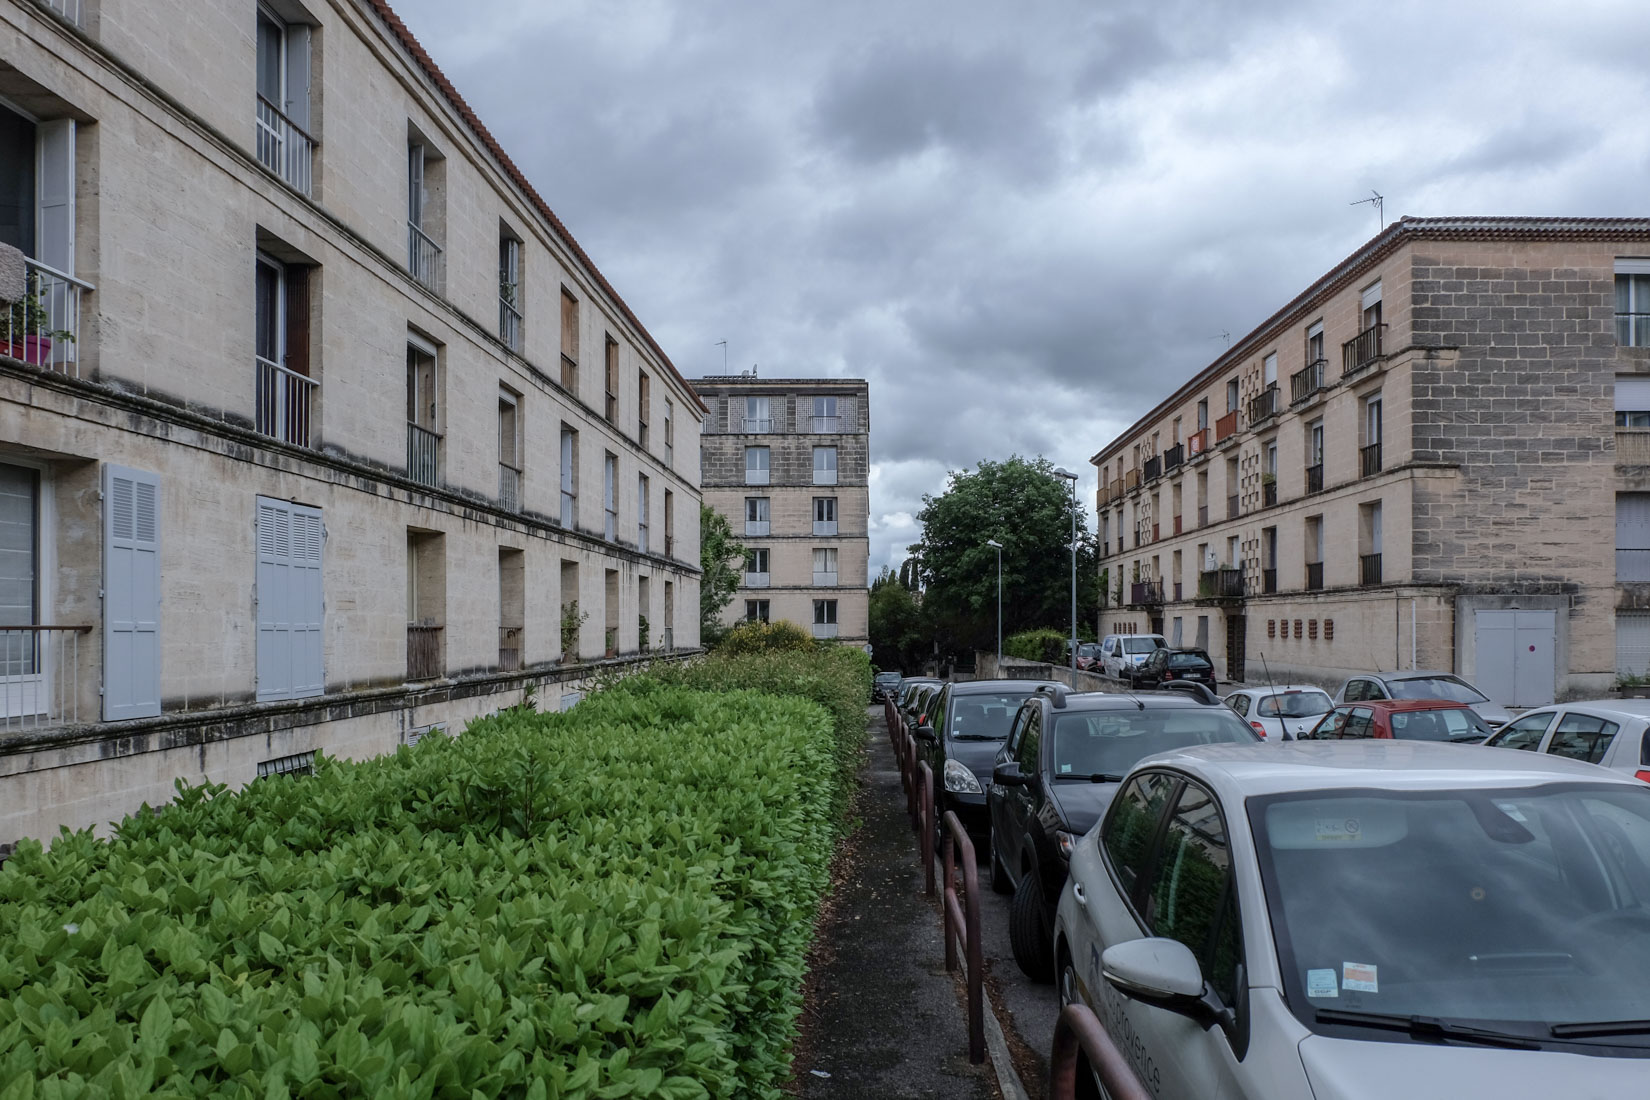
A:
(965, 917)
(925, 843)
(1079, 1029)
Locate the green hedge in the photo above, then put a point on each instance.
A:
(610, 902)
(1044, 644)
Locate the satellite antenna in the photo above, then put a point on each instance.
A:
(1379, 203)
(723, 344)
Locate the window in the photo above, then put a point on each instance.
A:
(282, 108)
(509, 449)
(610, 502)
(825, 561)
(510, 298)
(1371, 301)
(824, 465)
(825, 515)
(290, 538)
(1524, 733)
(1369, 458)
(758, 560)
(611, 409)
(1190, 898)
(1314, 554)
(825, 417)
(1314, 456)
(1633, 303)
(641, 512)
(569, 476)
(25, 655)
(758, 417)
(1028, 747)
(670, 530)
(1203, 414)
(756, 611)
(756, 465)
(1582, 737)
(1269, 370)
(1314, 344)
(281, 350)
(1174, 434)
(1369, 539)
(1131, 825)
(644, 397)
(424, 259)
(1232, 395)
(825, 618)
(512, 606)
(424, 412)
(1637, 418)
(299, 763)
(670, 431)
(426, 604)
(756, 516)
(569, 342)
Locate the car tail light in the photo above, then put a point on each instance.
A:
(1642, 774)
(1260, 729)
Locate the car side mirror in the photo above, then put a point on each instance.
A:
(1160, 972)
(925, 733)
(1007, 774)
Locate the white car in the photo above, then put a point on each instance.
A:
(1121, 652)
(1610, 732)
(1350, 920)
(1281, 712)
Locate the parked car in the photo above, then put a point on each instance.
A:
(968, 722)
(882, 684)
(1359, 920)
(1401, 720)
(908, 687)
(1282, 712)
(1164, 665)
(915, 709)
(1063, 760)
(1608, 732)
(1413, 684)
(1120, 652)
(1088, 656)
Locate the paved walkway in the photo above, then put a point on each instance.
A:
(884, 1019)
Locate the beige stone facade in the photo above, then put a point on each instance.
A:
(347, 422)
(802, 507)
(1411, 464)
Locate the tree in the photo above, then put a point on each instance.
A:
(720, 558)
(897, 632)
(1022, 505)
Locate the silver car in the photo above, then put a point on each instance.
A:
(1367, 919)
(1422, 684)
(1281, 712)
(1609, 732)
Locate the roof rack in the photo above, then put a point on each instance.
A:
(1056, 692)
(1196, 690)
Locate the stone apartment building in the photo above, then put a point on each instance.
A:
(315, 422)
(787, 461)
(1435, 456)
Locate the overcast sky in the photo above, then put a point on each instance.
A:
(1026, 223)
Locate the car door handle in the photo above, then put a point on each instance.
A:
(1077, 892)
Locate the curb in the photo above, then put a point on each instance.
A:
(996, 1046)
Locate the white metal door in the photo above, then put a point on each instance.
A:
(1515, 656)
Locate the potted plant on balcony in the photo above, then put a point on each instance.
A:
(27, 337)
(571, 620)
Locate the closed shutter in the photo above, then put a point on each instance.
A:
(289, 600)
(55, 179)
(1632, 537)
(131, 594)
(1633, 643)
(1632, 394)
(297, 75)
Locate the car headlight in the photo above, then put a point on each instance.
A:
(959, 780)
(1066, 842)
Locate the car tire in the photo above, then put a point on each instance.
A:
(1028, 932)
(1000, 882)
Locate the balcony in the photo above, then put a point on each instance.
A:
(1314, 575)
(1157, 531)
(1153, 468)
(757, 425)
(1197, 443)
(1226, 427)
(1173, 457)
(1177, 595)
(509, 321)
(1232, 506)
(824, 630)
(1203, 515)
(1102, 497)
(1363, 349)
(1369, 460)
(1632, 447)
(1369, 569)
(1131, 480)
(1225, 583)
(1146, 593)
(1264, 404)
(824, 526)
(1117, 485)
(423, 455)
(1269, 580)
(40, 675)
(509, 648)
(424, 259)
(827, 425)
(1177, 524)
(1314, 478)
(1268, 493)
(758, 580)
(423, 651)
(758, 527)
(284, 148)
(283, 402)
(44, 328)
(1304, 383)
(509, 488)
(824, 580)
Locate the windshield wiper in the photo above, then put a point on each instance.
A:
(1427, 1027)
(1095, 777)
(974, 737)
(1601, 1027)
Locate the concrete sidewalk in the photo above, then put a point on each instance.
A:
(883, 1017)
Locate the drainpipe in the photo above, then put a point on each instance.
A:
(1412, 664)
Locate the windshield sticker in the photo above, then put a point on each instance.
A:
(1359, 977)
(1347, 830)
(1064, 768)
(1512, 811)
(1321, 983)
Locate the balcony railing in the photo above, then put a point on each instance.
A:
(423, 455)
(1146, 593)
(642, 540)
(824, 580)
(509, 323)
(1268, 493)
(509, 488)
(1232, 506)
(1173, 457)
(1157, 531)
(1197, 443)
(1177, 524)
(1304, 383)
(1203, 515)
(569, 508)
(824, 477)
(758, 580)
(283, 402)
(284, 148)
(1177, 595)
(1632, 447)
(824, 526)
(670, 640)
(1226, 426)
(1369, 569)
(423, 651)
(1314, 478)
(1369, 460)
(1131, 480)
(40, 676)
(611, 530)
(1264, 404)
(670, 546)
(826, 425)
(758, 527)
(1314, 575)
(509, 648)
(1269, 581)
(757, 424)
(1225, 583)
(44, 328)
(1153, 468)
(1363, 349)
(824, 630)
(756, 477)
(424, 259)
(1117, 487)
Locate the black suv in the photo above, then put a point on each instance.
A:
(1165, 666)
(1064, 759)
(967, 723)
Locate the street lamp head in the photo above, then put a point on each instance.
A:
(994, 542)
(1061, 471)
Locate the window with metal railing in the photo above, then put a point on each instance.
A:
(509, 291)
(1314, 478)
(284, 388)
(424, 413)
(1369, 568)
(425, 261)
(281, 119)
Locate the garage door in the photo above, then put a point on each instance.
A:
(1514, 652)
(1632, 643)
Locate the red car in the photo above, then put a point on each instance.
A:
(1403, 720)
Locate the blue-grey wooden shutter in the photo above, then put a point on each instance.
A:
(131, 594)
(289, 600)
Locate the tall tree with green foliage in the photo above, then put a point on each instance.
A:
(1021, 504)
(721, 557)
(898, 636)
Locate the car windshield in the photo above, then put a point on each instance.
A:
(1088, 649)
(887, 677)
(984, 717)
(1447, 724)
(1112, 742)
(1435, 687)
(1140, 645)
(1295, 704)
(1187, 660)
(1518, 909)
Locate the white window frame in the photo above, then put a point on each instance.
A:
(28, 694)
(610, 501)
(641, 511)
(760, 524)
(759, 567)
(569, 477)
(825, 526)
(760, 473)
(758, 415)
(825, 474)
(1636, 272)
(826, 562)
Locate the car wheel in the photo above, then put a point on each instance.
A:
(1000, 882)
(1067, 986)
(1028, 932)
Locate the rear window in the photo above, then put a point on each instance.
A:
(1438, 725)
(1295, 704)
(1187, 660)
(1112, 742)
(984, 717)
(1435, 687)
(1089, 649)
(1140, 645)
(1582, 737)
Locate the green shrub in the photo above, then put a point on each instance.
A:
(760, 637)
(1044, 644)
(609, 902)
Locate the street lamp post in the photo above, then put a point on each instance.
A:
(1061, 471)
(999, 548)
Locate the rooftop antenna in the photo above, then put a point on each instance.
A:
(1223, 335)
(723, 344)
(1378, 203)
